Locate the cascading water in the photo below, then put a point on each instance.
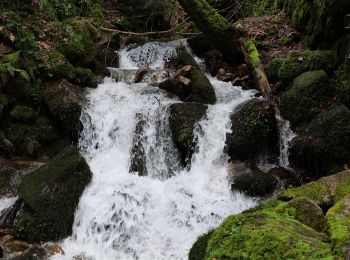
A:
(158, 216)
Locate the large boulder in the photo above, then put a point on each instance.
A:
(291, 226)
(51, 195)
(323, 147)
(183, 119)
(285, 70)
(253, 130)
(248, 178)
(200, 89)
(308, 95)
(64, 101)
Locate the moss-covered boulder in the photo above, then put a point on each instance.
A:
(323, 147)
(183, 119)
(201, 90)
(248, 178)
(51, 195)
(305, 211)
(253, 130)
(64, 101)
(307, 96)
(266, 235)
(285, 70)
(291, 226)
(338, 218)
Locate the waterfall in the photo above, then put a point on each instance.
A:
(5, 203)
(159, 216)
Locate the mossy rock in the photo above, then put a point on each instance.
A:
(338, 218)
(285, 70)
(253, 131)
(325, 192)
(291, 226)
(323, 146)
(78, 41)
(201, 90)
(183, 119)
(23, 114)
(197, 251)
(64, 101)
(51, 195)
(266, 235)
(305, 211)
(199, 45)
(310, 93)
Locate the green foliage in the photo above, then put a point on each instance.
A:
(9, 67)
(23, 114)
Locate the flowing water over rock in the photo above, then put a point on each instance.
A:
(124, 216)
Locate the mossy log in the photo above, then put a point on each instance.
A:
(218, 30)
(252, 56)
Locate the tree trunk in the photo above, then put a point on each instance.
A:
(217, 29)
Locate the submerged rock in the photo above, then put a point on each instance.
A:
(253, 131)
(323, 147)
(291, 226)
(248, 178)
(138, 156)
(183, 119)
(64, 101)
(51, 195)
(308, 95)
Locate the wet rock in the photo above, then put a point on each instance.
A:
(183, 119)
(308, 95)
(51, 195)
(33, 253)
(140, 73)
(9, 216)
(138, 156)
(64, 101)
(10, 178)
(253, 131)
(201, 90)
(176, 87)
(248, 178)
(287, 177)
(323, 147)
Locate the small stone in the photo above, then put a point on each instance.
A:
(7, 239)
(221, 72)
(55, 249)
(185, 81)
(141, 73)
(183, 71)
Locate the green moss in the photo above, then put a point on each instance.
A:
(266, 235)
(308, 95)
(285, 70)
(261, 7)
(286, 40)
(23, 113)
(52, 194)
(338, 219)
(254, 56)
